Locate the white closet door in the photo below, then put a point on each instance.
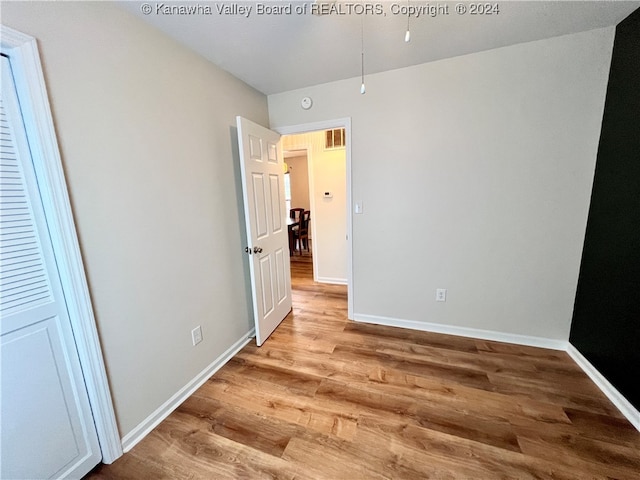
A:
(47, 425)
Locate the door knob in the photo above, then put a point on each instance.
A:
(248, 250)
(257, 249)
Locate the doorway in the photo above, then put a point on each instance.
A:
(297, 188)
(329, 187)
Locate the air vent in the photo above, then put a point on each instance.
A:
(334, 139)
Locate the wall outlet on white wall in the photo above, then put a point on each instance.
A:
(441, 294)
(196, 335)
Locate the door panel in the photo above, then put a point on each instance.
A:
(36, 355)
(24, 282)
(255, 148)
(261, 224)
(47, 425)
(266, 284)
(272, 149)
(263, 191)
(276, 202)
(281, 274)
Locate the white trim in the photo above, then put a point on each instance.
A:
(30, 85)
(324, 125)
(132, 438)
(312, 207)
(612, 393)
(527, 340)
(333, 281)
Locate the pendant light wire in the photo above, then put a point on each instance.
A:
(362, 87)
(407, 35)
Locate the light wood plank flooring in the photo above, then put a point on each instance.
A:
(326, 398)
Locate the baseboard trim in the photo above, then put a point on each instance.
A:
(333, 281)
(530, 341)
(612, 393)
(162, 412)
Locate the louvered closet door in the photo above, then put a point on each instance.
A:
(47, 427)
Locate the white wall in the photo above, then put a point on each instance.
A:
(146, 131)
(475, 174)
(329, 215)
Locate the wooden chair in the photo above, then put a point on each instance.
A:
(296, 213)
(301, 235)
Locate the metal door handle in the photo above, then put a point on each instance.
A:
(257, 250)
(247, 250)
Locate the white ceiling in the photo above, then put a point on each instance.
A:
(277, 53)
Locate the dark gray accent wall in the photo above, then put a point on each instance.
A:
(606, 317)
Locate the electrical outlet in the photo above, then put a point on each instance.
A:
(441, 294)
(196, 335)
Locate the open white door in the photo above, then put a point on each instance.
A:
(47, 423)
(267, 234)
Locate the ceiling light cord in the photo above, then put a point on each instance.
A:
(407, 35)
(362, 87)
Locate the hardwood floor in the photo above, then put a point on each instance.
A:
(326, 398)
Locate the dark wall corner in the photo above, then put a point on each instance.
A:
(606, 318)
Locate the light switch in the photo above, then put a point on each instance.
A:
(196, 335)
(358, 208)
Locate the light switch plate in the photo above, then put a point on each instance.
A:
(196, 335)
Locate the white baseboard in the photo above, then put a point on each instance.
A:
(621, 403)
(334, 281)
(464, 332)
(162, 412)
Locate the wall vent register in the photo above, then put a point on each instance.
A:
(334, 139)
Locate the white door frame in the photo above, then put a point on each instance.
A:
(34, 103)
(326, 125)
